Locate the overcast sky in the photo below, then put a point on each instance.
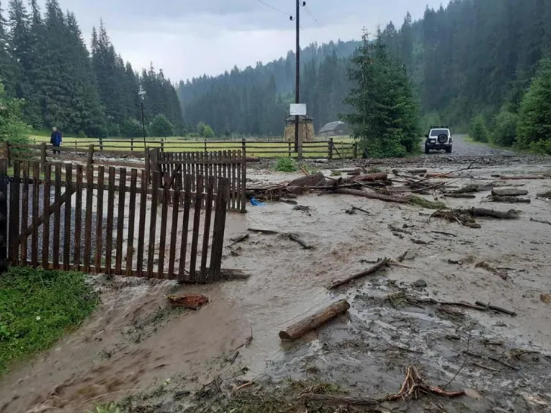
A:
(187, 38)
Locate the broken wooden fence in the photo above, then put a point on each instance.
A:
(99, 220)
(231, 165)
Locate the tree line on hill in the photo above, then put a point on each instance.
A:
(45, 64)
(473, 61)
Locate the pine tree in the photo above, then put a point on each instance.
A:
(385, 118)
(7, 62)
(534, 127)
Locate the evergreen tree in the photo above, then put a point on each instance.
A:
(385, 117)
(534, 127)
(478, 130)
(12, 127)
(7, 62)
(161, 126)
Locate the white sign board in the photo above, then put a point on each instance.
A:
(298, 109)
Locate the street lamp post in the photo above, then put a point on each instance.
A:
(142, 94)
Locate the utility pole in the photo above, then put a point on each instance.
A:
(297, 76)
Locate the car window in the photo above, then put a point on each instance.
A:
(436, 132)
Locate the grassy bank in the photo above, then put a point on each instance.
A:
(37, 307)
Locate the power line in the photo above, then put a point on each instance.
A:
(311, 14)
(273, 8)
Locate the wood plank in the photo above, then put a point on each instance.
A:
(174, 228)
(45, 207)
(243, 181)
(67, 225)
(57, 214)
(88, 230)
(153, 223)
(99, 220)
(131, 221)
(238, 182)
(78, 217)
(206, 230)
(14, 216)
(25, 214)
(120, 221)
(163, 235)
(185, 227)
(36, 212)
(110, 218)
(196, 228)
(141, 223)
(217, 248)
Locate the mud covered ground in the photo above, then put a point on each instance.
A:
(149, 358)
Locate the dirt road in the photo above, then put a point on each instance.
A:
(155, 360)
(463, 147)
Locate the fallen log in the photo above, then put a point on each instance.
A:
(509, 199)
(238, 239)
(439, 175)
(509, 192)
(264, 231)
(521, 177)
(375, 268)
(234, 274)
(544, 194)
(417, 171)
(368, 178)
(460, 195)
(190, 301)
(372, 195)
(482, 212)
(296, 238)
(495, 308)
(540, 221)
(317, 179)
(314, 321)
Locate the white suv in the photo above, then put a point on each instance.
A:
(439, 137)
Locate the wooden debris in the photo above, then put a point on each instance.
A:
(482, 212)
(544, 194)
(244, 385)
(375, 268)
(509, 199)
(368, 178)
(372, 195)
(264, 231)
(317, 179)
(521, 177)
(234, 274)
(496, 271)
(353, 209)
(296, 238)
(495, 308)
(540, 221)
(238, 239)
(508, 192)
(288, 201)
(459, 195)
(402, 257)
(314, 321)
(191, 301)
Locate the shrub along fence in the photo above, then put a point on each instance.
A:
(98, 220)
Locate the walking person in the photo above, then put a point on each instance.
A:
(56, 140)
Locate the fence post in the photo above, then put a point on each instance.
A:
(3, 214)
(90, 159)
(355, 150)
(131, 144)
(101, 144)
(43, 156)
(162, 144)
(205, 144)
(290, 150)
(147, 164)
(75, 145)
(330, 155)
(244, 175)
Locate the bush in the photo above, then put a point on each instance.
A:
(205, 131)
(541, 147)
(12, 127)
(131, 128)
(286, 165)
(37, 307)
(504, 132)
(161, 127)
(478, 130)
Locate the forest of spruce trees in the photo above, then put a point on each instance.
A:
(470, 57)
(44, 60)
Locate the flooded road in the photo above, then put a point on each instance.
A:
(134, 345)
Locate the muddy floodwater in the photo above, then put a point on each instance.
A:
(135, 346)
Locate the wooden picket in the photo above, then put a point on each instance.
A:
(231, 165)
(95, 216)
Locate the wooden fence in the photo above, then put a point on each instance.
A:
(100, 220)
(222, 164)
(131, 148)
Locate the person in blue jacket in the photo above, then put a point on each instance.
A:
(56, 139)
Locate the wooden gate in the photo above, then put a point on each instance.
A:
(231, 165)
(100, 220)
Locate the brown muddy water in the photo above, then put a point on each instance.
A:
(135, 346)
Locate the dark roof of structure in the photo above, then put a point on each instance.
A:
(331, 126)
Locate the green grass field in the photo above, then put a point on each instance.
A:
(257, 148)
